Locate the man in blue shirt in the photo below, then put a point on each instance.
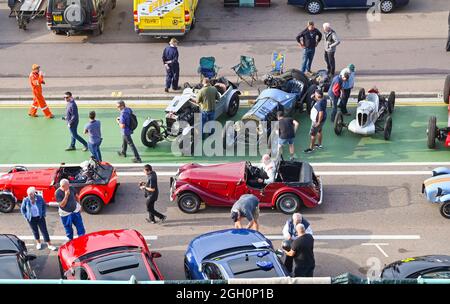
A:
(93, 128)
(170, 61)
(318, 118)
(72, 120)
(308, 40)
(124, 121)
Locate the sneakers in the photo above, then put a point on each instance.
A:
(137, 160)
(50, 117)
(176, 89)
(51, 247)
(166, 90)
(163, 219)
(38, 246)
(71, 149)
(35, 115)
(121, 154)
(309, 150)
(84, 149)
(150, 221)
(317, 146)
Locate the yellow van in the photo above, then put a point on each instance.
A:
(163, 18)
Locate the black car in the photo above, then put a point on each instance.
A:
(14, 259)
(427, 267)
(66, 16)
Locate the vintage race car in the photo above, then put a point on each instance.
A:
(373, 114)
(437, 189)
(96, 184)
(232, 254)
(441, 134)
(182, 108)
(295, 185)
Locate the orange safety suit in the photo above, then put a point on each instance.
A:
(36, 81)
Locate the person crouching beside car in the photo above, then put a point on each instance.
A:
(290, 234)
(34, 209)
(247, 206)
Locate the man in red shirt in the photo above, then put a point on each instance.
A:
(334, 92)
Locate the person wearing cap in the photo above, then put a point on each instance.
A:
(36, 79)
(331, 42)
(347, 87)
(247, 206)
(308, 40)
(171, 64)
(318, 117)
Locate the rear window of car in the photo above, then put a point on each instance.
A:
(246, 267)
(120, 267)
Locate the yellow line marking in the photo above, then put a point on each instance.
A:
(436, 181)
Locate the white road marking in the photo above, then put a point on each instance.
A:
(378, 245)
(356, 237)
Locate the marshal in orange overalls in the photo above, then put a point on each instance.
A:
(36, 80)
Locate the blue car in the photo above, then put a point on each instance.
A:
(317, 6)
(437, 189)
(232, 253)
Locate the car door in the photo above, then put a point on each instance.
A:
(345, 3)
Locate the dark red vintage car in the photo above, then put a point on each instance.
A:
(96, 184)
(295, 185)
(112, 255)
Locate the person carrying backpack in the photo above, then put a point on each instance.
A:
(127, 122)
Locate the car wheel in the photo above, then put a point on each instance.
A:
(361, 94)
(447, 89)
(387, 6)
(150, 134)
(92, 204)
(387, 128)
(189, 203)
(288, 203)
(391, 102)
(445, 210)
(233, 106)
(432, 133)
(59, 32)
(314, 7)
(338, 123)
(7, 204)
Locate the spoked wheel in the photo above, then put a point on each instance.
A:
(338, 123)
(92, 204)
(391, 102)
(387, 128)
(445, 210)
(387, 6)
(432, 133)
(189, 203)
(7, 204)
(361, 94)
(314, 7)
(150, 135)
(288, 203)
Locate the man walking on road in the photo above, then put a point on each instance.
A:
(247, 206)
(124, 121)
(302, 250)
(170, 61)
(72, 120)
(36, 81)
(331, 42)
(93, 128)
(308, 40)
(318, 118)
(151, 192)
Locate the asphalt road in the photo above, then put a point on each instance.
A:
(356, 203)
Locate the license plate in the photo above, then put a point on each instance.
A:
(57, 18)
(150, 21)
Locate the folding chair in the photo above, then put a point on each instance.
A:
(277, 63)
(208, 68)
(246, 67)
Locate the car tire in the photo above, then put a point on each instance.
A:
(361, 94)
(314, 7)
(445, 210)
(189, 202)
(59, 32)
(288, 203)
(447, 89)
(391, 102)
(387, 128)
(387, 6)
(92, 204)
(338, 123)
(431, 133)
(7, 204)
(233, 106)
(150, 134)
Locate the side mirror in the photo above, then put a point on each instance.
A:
(30, 257)
(156, 255)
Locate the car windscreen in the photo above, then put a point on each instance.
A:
(252, 266)
(120, 267)
(9, 267)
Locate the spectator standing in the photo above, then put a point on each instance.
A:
(247, 206)
(207, 97)
(318, 118)
(124, 122)
(72, 120)
(171, 64)
(335, 91)
(308, 40)
(302, 250)
(287, 127)
(347, 87)
(93, 129)
(290, 234)
(151, 192)
(331, 42)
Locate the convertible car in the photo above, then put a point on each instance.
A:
(232, 254)
(437, 189)
(426, 267)
(95, 182)
(221, 185)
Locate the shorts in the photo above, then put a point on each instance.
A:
(287, 141)
(314, 130)
(256, 214)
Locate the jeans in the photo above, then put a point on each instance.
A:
(331, 63)
(344, 99)
(172, 75)
(334, 101)
(128, 141)
(74, 136)
(95, 150)
(207, 116)
(76, 220)
(36, 224)
(150, 203)
(308, 56)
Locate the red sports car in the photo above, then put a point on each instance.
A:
(112, 255)
(96, 184)
(221, 185)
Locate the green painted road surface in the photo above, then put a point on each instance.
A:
(28, 140)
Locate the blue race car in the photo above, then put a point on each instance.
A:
(437, 189)
(232, 253)
(317, 6)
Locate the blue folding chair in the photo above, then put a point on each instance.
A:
(208, 68)
(246, 67)
(277, 63)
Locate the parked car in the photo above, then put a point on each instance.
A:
(111, 255)
(437, 189)
(433, 131)
(15, 259)
(232, 254)
(426, 267)
(295, 185)
(317, 6)
(96, 184)
(66, 16)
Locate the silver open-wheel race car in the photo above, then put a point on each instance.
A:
(373, 115)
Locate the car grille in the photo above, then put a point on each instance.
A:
(362, 119)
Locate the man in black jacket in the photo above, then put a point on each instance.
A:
(170, 61)
(151, 192)
(308, 40)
